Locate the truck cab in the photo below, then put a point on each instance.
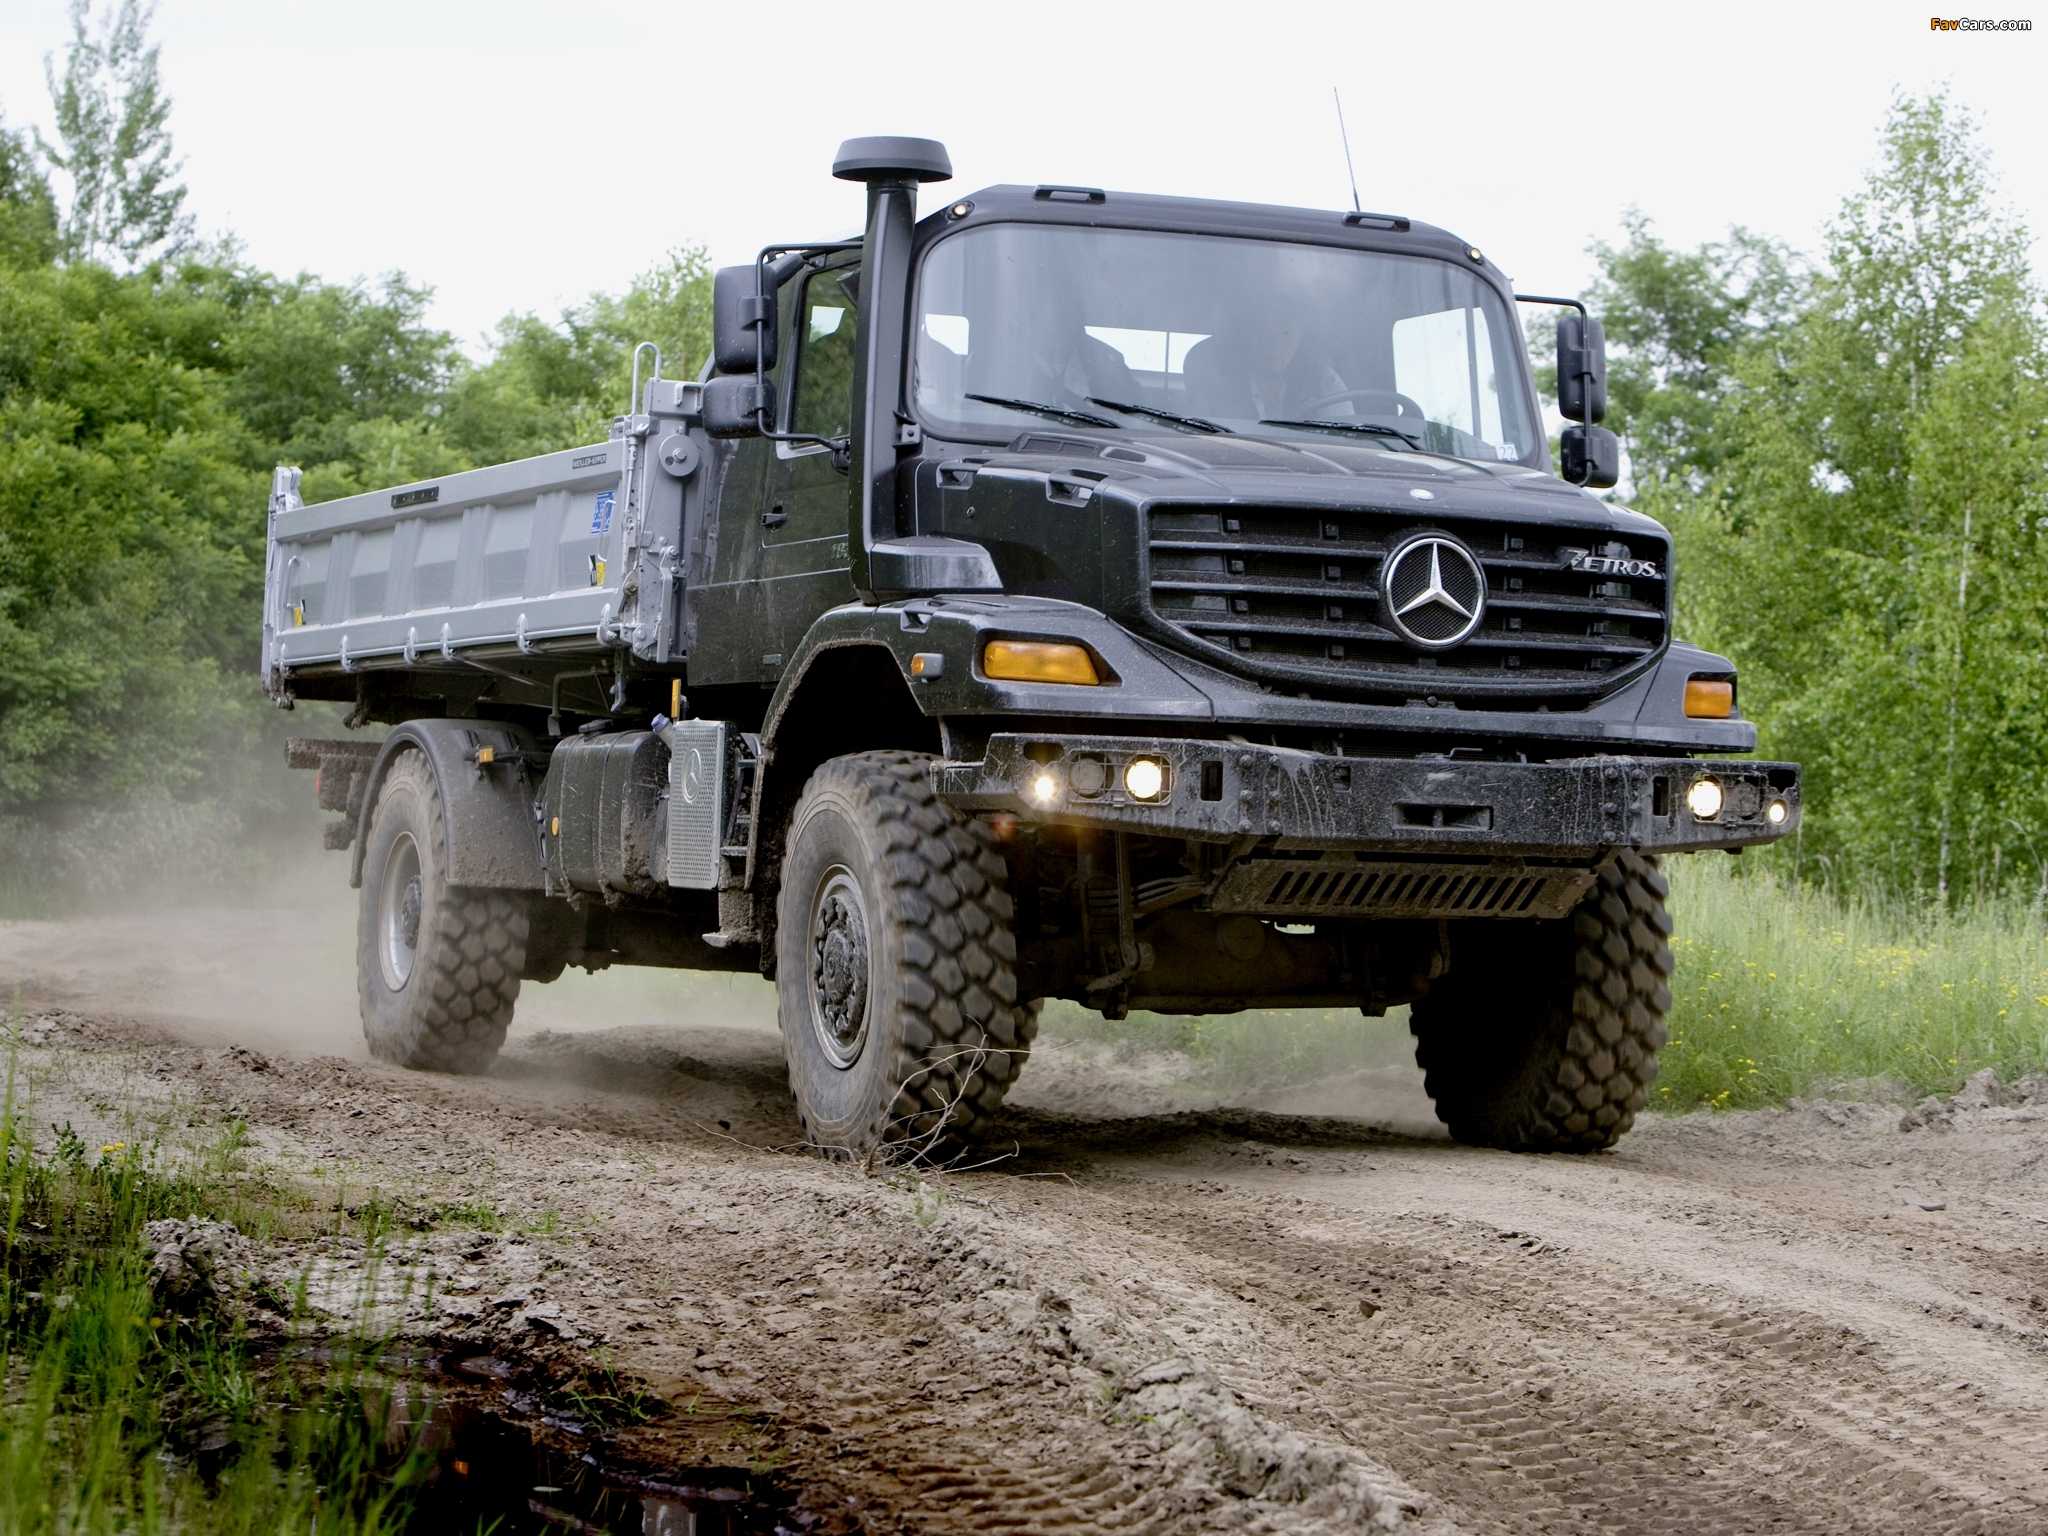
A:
(1143, 601)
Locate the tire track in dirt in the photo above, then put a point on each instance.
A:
(1813, 1421)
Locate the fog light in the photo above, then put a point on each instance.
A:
(1776, 812)
(1145, 778)
(1704, 798)
(1045, 789)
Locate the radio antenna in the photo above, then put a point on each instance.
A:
(1345, 134)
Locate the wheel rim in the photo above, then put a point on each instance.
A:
(399, 911)
(840, 967)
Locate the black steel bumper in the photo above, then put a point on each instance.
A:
(1220, 791)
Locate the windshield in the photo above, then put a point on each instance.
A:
(1203, 333)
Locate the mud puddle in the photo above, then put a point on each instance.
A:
(510, 1462)
(492, 1473)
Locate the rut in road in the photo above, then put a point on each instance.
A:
(1532, 1389)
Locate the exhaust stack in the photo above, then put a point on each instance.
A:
(885, 562)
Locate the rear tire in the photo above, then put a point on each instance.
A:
(1543, 1037)
(895, 962)
(437, 966)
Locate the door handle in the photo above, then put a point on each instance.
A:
(774, 517)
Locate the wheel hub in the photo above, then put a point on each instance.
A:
(839, 967)
(409, 914)
(402, 899)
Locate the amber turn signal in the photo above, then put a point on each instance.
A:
(1709, 698)
(1038, 661)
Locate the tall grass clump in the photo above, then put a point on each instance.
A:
(1788, 989)
(123, 1413)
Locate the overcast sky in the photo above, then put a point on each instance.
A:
(516, 155)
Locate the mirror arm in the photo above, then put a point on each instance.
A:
(1537, 298)
(759, 309)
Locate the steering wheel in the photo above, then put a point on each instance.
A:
(1403, 406)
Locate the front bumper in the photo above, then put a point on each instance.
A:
(1577, 810)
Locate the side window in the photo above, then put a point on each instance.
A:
(823, 401)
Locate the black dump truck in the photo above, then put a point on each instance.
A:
(1148, 602)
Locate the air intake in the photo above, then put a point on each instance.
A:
(1395, 888)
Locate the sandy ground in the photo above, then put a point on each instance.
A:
(1154, 1311)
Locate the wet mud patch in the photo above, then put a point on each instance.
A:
(520, 1462)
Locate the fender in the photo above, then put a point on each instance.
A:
(493, 836)
(949, 632)
(955, 628)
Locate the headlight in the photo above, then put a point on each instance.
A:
(1704, 798)
(1145, 778)
(1045, 788)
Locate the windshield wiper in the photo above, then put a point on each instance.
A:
(1345, 426)
(1192, 423)
(1056, 412)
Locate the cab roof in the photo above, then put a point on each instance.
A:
(1092, 206)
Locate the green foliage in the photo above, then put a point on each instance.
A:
(1855, 464)
(1676, 322)
(28, 214)
(113, 140)
(139, 417)
(120, 497)
(550, 385)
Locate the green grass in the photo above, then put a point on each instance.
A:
(119, 1414)
(1787, 990)
(1782, 990)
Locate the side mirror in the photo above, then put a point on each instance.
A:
(1581, 369)
(742, 320)
(732, 405)
(1589, 456)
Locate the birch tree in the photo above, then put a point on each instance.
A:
(113, 144)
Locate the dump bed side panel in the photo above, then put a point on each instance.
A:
(518, 554)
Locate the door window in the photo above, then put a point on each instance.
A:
(823, 398)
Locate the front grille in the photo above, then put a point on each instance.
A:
(1293, 595)
(1339, 887)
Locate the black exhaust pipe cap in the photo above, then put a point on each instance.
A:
(888, 158)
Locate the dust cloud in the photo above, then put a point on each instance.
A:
(276, 972)
(262, 953)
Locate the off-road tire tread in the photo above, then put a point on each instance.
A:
(469, 982)
(1508, 1066)
(965, 1034)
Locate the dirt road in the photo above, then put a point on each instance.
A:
(1156, 1313)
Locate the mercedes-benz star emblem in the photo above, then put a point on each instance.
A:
(1434, 591)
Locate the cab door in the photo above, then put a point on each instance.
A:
(780, 555)
(805, 564)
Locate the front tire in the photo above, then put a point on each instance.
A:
(1543, 1036)
(895, 962)
(437, 966)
